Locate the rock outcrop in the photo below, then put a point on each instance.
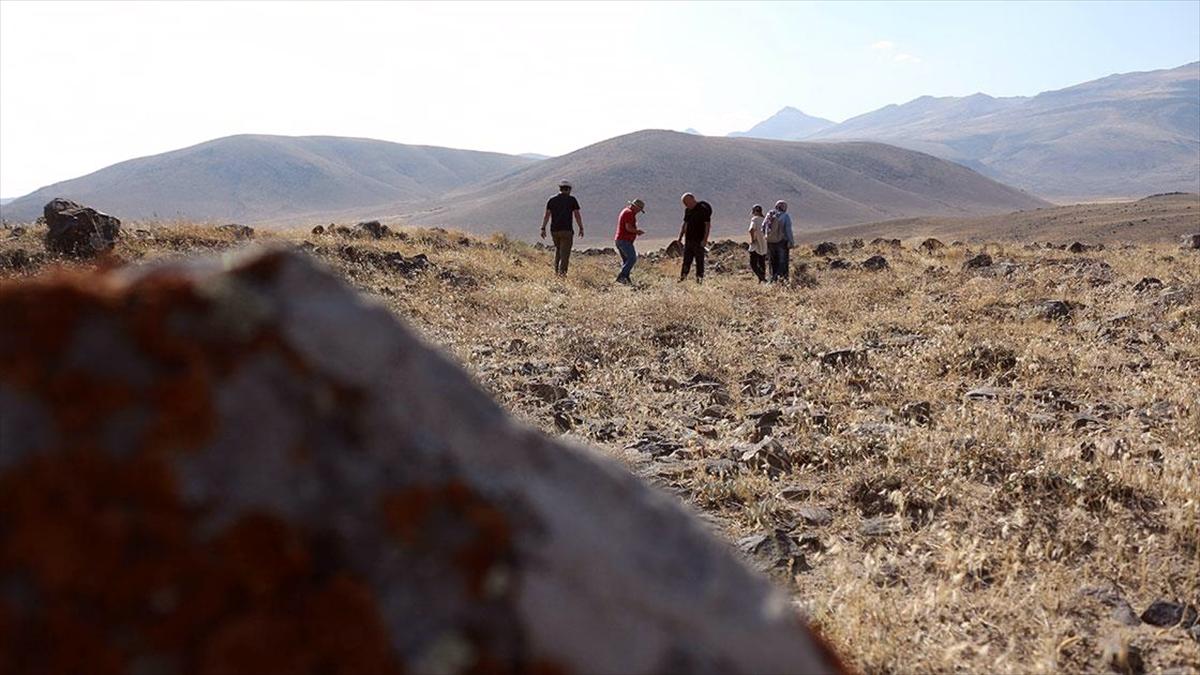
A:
(78, 230)
(245, 468)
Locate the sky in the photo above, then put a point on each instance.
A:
(86, 85)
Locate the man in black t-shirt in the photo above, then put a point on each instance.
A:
(697, 222)
(560, 210)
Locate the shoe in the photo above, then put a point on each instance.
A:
(682, 279)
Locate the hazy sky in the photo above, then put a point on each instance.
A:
(84, 85)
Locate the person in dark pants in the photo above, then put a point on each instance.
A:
(693, 234)
(758, 244)
(627, 232)
(778, 228)
(561, 208)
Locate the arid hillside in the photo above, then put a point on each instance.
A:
(979, 458)
(255, 178)
(1156, 219)
(838, 183)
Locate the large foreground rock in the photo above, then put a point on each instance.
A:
(79, 230)
(246, 469)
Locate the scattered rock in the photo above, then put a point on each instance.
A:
(549, 393)
(15, 259)
(779, 549)
(654, 444)
(767, 455)
(917, 412)
(1148, 284)
(319, 229)
(882, 241)
(844, 358)
(1191, 241)
(816, 516)
(856, 244)
(294, 464)
(796, 493)
(674, 249)
(238, 231)
(930, 245)
(840, 264)
(17, 232)
(987, 393)
(1055, 310)
(1166, 614)
(1079, 247)
(875, 263)
(373, 228)
(825, 248)
(77, 230)
(978, 262)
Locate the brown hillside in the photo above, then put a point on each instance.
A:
(1160, 218)
(828, 183)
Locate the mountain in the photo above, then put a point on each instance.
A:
(788, 124)
(6, 200)
(1124, 135)
(826, 184)
(252, 178)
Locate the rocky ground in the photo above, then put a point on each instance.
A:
(956, 458)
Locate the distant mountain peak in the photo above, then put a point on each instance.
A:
(789, 124)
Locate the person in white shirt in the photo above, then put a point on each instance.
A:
(758, 243)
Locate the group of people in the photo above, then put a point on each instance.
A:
(771, 237)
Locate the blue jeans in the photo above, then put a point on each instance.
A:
(777, 255)
(628, 256)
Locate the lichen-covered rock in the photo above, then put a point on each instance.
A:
(78, 230)
(244, 468)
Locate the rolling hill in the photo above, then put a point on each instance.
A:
(253, 178)
(827, 184)
(1124, 135)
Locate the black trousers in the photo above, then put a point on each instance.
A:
(758, 265)
(693, 250)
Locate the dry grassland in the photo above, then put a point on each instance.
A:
(981, 482)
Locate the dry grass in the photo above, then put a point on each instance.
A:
(999, 517)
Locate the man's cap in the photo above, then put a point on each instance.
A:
(564, 184)
(781, 205)
(686, 195)
(756, 207)
(638, 203)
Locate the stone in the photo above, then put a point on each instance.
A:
(840, 264)
(674, 249)
(825, 248)
(815, 515)
(931, 244)
(547, 392)
(319, 229)
(1148, 284)
(844, 358)
(260, 471)
(875, 263)
(882, 241)
(77, 230)
(237, 231)
(1191, 241)
(917, 412)
(856, 244)
(1054, 310)
(978, 262)
(796, 493)
(373, 229)
(15, 259)
(1079, 247)
(987, 393)
(1164, 614)
(767, 456)
(779, 549)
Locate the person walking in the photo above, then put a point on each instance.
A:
(627, 232)
(693, 234)
(560, 210)
(758, 244)
(778, 229)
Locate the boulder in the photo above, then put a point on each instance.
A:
(373, 229)
(245, 467)
(825, 248)
(78, 230)
(1191, 241)
(1148, 284)
(875, 263)
(978, 262)
(1079, 247)
(931, 244)
(840, 264)
(674, 250)
(319, 229)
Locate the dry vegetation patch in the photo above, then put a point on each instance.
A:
(991, 469)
